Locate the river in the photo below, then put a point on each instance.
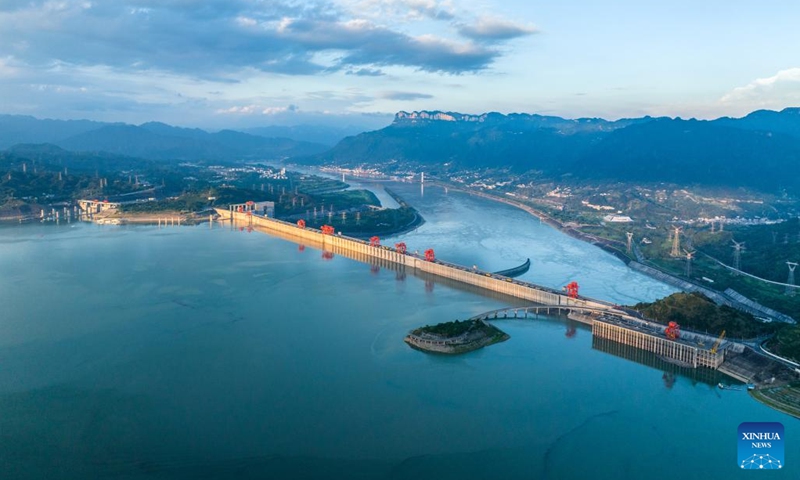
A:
(210, 352)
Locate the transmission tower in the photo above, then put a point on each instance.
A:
(630, 241)
(737, 254)
(712, 226)
(676, 243)
(689, 258)
(791, 290)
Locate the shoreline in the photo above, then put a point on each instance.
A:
(414, 224)
(604, 244)
(610, 246)
(418, 221)
(150, 218)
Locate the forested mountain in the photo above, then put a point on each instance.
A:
(162, 142)
(16, 129)
(690, 151)
(323, 134)
(152, 140)
(723, 152)
(720, 152)
(786, 121)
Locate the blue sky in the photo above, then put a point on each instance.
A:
(238, 63)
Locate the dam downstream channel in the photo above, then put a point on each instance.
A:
(140, 352)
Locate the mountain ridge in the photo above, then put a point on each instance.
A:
(150, 140)
(722, 151)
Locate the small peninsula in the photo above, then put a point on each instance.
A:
(455, 337)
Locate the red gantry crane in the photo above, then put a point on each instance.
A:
(301, 223)
(375, 241)
(429, 255)
(327, 229)
(673, 331)
(572, 289)
(400, 247)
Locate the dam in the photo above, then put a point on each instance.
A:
(336, 243)
(608, 320)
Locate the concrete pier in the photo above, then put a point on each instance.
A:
(684, 354)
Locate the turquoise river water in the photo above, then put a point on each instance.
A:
(209, 352)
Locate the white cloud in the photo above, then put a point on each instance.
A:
(246, 21)
(778, 91)
(252, 109)
(404, 9)
(239, 110)
(7, 69)
(495, 29)
(278, 110)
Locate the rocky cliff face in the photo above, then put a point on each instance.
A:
(438, 116)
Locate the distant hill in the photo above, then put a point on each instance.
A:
(162, 142)
(691, 151)
(152, 140)
(168, 130)
(52, 157)
(16, 129)
(786, 121)
(322, 134)
(724, 152)
(519, 141)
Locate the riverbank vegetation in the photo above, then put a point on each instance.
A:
(449, 329)
(786, 343)
(697, 312)
(784, 398)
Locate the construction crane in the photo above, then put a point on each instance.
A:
(718, 342)
(673, 331)
(572, 289)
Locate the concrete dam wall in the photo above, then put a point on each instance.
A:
(484, 280)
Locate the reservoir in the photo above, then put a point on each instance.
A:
(210, 352)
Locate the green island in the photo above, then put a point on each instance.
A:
(455, 337)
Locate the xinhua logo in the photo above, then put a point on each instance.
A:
(761, 446)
